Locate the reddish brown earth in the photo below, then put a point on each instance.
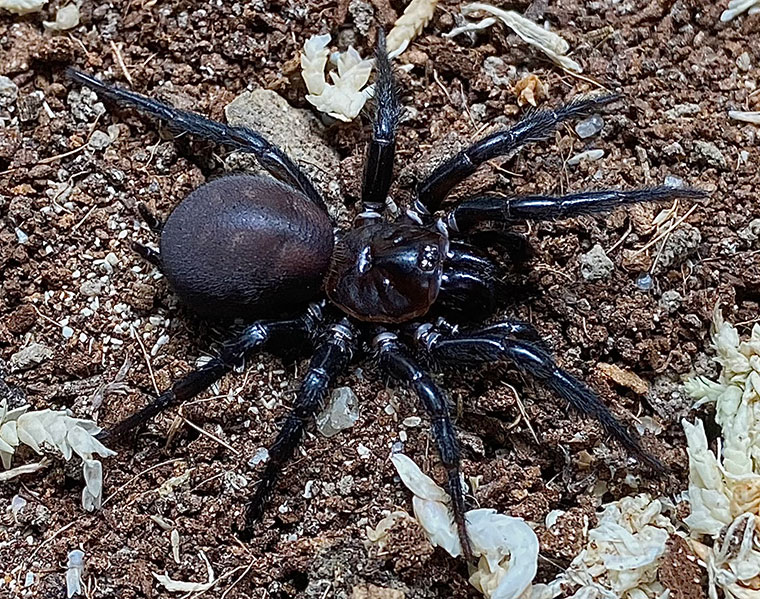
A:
(679, 69)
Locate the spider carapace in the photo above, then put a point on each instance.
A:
(266, 250)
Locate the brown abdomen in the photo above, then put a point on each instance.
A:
(246, 246)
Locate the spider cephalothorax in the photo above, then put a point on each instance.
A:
(266, 250)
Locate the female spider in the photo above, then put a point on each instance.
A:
(266, 250)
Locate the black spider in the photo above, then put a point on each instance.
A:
(256, 247)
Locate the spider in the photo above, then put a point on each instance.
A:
(265, 250)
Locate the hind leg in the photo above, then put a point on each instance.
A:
(156, 225)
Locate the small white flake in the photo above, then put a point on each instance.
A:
(74, 569)
(22, 7)
(737, 7)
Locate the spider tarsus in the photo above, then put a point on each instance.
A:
(154, 223)
(459, 510)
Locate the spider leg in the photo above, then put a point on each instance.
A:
(398, 364)
(470, 283)
(498, 344)
(332, 355)
(378, 170)
(154, 223)
(147, 254)
(471, 213)
(269, 156)
(254, 337)
(534, 127)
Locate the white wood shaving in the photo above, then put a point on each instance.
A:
(623, 552)
(409, 25)
(74, 570)
(181, 586)
(22, 7)
(724, 487)
(344, 97)
(190, 588)
(59, 431)
(551, 44)
(589, 155)
(737, 7)
(747, 117)
(66, 17)
(506, 547)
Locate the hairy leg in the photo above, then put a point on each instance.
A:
(535, 126)
(378, 168)
(396, 362)
(332, 355)
(254, 337)
(502, 342)
(240, 138)
(493, 209)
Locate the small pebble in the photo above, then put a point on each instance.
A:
(675, 182)
(100, 140)
(341, 412)
(68, 332)
(262, 455)
(29, 579)
(711, 154)
(18, 503)
(34, 354)
(589, 155)
(21, 236)
(8, 92)
(671, 300)
(595, 265)
(644, 281)
(589, 127)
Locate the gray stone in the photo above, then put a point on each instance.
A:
(295, 131)
(751, 233)
(595, 265)
(84, 104)
(8, 92)
(671, 300)
(673, 181)
(674, 150)
(679, 245)
(341, 412)
(499, 71)
(30, 356)
(363, 14)
(100, 140)
(709, 153)
(680, 110)
(91, 288)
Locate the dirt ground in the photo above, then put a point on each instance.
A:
(114, 331)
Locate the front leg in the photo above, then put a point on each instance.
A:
(505, 343)
(470, 214)
(399, 365)
(535, 126)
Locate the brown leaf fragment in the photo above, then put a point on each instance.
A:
(625, 378)
(530, 90)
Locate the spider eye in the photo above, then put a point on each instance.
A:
(429, 258)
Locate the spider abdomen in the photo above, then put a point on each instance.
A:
(246, 246)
